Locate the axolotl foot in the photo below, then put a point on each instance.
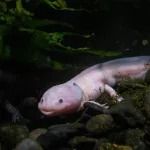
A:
(120, 99)
(16, 116)
(102, 108)
(98, 104)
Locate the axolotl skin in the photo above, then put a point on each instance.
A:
(70, 96)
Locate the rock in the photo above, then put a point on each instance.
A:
(147, 77)
(131, 137)
(28, 108)
(28, 102)
(11, 134)
(147, 103)
(125, 113)
(100, 143)
(59, 134)
(49, 140)
(66, 128)
(134, 139)
(95, 109)
(103, 144)
(37, 132)
(100, 124)
(82, 142)
(147, 135)
(28, 144)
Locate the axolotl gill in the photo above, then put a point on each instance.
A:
(70, 96)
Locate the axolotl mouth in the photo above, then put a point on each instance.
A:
(48, 113)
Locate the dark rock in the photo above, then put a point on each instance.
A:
(100, 124)
(147, 135)
(59, 134)
(66, 129)
(95, 109)
(147, 103)
(126, 113)
(37, 132)
(82, 142)
(28, 144)
(104, 144)
(11, 134)
(131, 137)
(147, 77)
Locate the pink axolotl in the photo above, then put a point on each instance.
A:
(70, 96)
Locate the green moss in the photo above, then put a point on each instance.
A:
(134, 90)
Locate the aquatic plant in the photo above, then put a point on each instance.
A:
(23, 38)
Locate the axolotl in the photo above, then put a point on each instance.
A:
(70, 96)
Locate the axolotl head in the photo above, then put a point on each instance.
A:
(61, 99)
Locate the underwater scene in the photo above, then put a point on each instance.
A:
(74, 75)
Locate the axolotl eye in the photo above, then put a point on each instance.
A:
(60, 100)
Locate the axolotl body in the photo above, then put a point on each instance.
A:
(70, 96)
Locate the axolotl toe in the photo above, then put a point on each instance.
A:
(70, 96)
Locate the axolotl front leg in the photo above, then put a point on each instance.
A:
(108, 89)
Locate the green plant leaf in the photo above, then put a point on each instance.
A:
(49, 40)
(61, 5)
(19, 6)
(33, 24)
